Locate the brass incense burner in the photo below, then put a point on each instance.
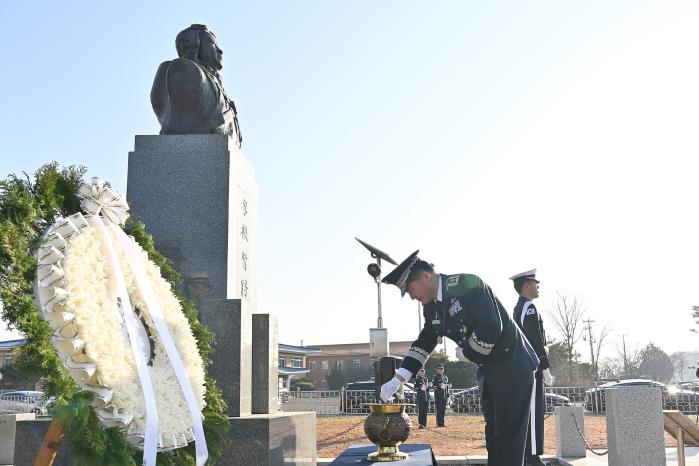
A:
(387, 426)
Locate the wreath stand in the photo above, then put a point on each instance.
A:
(49, 447)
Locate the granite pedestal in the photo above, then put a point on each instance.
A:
(28, 438)
(569, 443)
(635, 433)
(8, 431)
(197, 195)
(232, 358)
(265, 364)
(272, 439)
(198, 198)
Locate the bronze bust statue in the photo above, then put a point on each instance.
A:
(188, 95)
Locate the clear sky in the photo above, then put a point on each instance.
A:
(493, 136)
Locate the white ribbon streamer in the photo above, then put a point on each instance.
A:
(150, 443)
(143, 282)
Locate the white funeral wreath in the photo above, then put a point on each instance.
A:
(119, 329)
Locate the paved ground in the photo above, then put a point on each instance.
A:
(463, 435)
(691, 458)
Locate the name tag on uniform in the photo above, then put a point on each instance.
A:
(436, 322)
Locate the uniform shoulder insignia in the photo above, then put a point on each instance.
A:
(452, 281)
(531, 310)
(460, 284)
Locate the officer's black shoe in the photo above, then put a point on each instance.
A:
(534, 461)
(421, 426)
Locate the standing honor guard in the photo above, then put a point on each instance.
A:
(422, 385)
(463, 308)
(529, 320)
(441, 385)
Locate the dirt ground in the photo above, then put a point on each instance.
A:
(464, 435)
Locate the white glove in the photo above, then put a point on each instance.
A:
(548, 378)
(424, 388)
(460, 355)
(389, 389)
(444, 386)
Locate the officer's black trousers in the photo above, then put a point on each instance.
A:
(440, 405)
(537, 410)
(506, 392)
(422, 407)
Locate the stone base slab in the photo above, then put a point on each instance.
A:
(29, 435)
(272, 440)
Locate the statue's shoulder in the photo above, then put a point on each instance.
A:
(183, 66)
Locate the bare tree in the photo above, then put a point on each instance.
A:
(567, 313)
(695, 316)
(599, 342)
(678, 364)
(623, 365)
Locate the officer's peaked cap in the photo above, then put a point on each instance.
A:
(441, 366)
(528, 275)
(399, 275)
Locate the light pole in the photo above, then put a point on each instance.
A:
(374, 270)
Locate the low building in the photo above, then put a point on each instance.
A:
(6, 348)
(293, 363)
(12, 379)
(351, 358)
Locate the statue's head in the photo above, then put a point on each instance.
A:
(198, 44)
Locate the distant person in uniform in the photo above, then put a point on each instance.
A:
(422, 387)
(529, 321)
(464, 309)
(440, 383)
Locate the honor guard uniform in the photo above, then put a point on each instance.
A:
(422, 386)
(464, 309)
(440, 383)
(529, 321)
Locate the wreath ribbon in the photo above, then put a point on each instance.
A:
(166, 339)
(98, 198)
(150, 443)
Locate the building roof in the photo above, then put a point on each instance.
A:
(10, 344)
(292, 370)
(297, 349)
(397, 348)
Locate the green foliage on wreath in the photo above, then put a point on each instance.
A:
(27, 208)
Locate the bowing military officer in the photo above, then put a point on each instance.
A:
(464, 309)
(422, 386)
(441, 385)
(529, 321)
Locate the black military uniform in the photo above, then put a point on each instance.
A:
(467, 312)
(440, 383)
(422, 386)
(529, 321)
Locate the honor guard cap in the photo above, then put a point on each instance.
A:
(399, 275)
(441, 366)
(528, 275)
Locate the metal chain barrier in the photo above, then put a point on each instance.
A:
(587, 445)
(334, 436)
(452, 436)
